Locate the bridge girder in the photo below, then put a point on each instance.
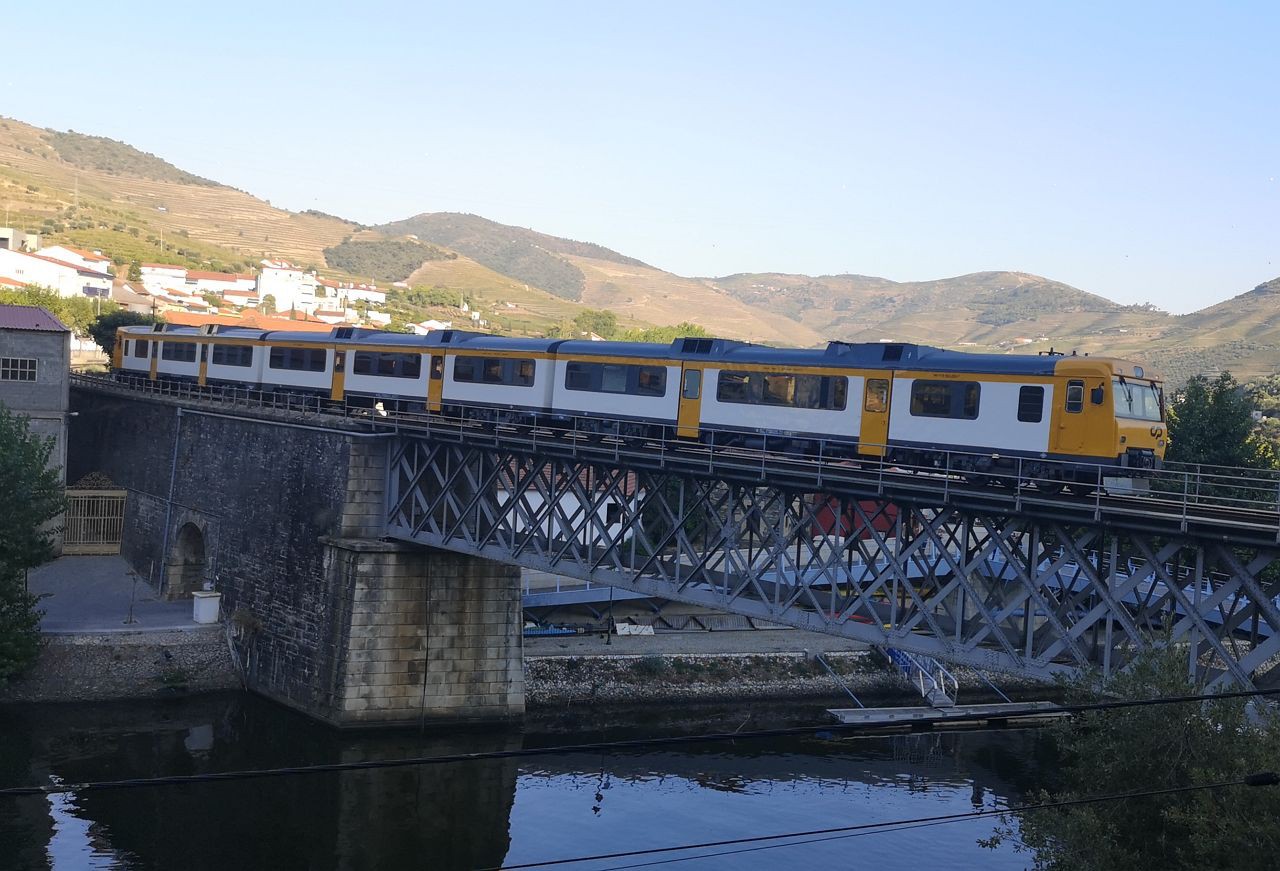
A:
(996, 591)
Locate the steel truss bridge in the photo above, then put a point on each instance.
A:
(1008, 576)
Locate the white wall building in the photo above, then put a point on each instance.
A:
(162, 276)
(290, 287)
(218, 282)
(68, 279)
(94, 260)
(348, 293)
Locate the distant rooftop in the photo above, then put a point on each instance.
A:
(29, 317)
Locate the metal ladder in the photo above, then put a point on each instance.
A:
(936, 684)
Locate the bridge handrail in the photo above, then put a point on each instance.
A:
(1182, 492)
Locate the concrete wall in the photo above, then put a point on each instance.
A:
(44, 400)
(326, 618)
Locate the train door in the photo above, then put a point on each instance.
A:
(874, 435)
(435, 383)
(339, 386)
(1082, 419)
(155, 359)
(689, 416)
(204, 364)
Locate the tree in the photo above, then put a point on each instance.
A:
(103, 329)
(268, 305)
(33, 497)
(212, 299)
(603, 323)
(664, 335)
(77, 313)
(1211, 422)
(1154, 747)
(135, 270)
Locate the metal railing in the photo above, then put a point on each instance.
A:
(936, 684)
(1180, 496)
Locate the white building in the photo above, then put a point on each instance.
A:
(67, 279)
(290, 287)
(94, 260)
(380, 319)
(218, 282)
(162, 276)
(427, 326)
(348, 293)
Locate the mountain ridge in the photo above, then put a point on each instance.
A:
(97, 192)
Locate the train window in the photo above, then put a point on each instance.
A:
(179, 352)
(791, 391)
(493, 370)
(651, 380)
(1075, 397)
(140, 347)
(464, 369)
(737, 387)
(877, 399)
(232, 355)
(387, 365)
(613, 378)
(616, 378)
(839, 394)
(1136, 400)
(1030, 404)
(779, 390)
(299, 359)
(692, 384)
(437, 367)
(957, 400)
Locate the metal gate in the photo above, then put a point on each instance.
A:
(94, 521)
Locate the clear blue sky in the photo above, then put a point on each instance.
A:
(1131, 150)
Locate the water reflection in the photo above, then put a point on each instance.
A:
(474, 814)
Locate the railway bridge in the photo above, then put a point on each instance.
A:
(369, 564)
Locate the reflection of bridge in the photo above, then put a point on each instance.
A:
(1007, 575)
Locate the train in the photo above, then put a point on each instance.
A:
(1057, 418)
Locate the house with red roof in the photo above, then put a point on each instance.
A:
(94, 260)
(65, 278)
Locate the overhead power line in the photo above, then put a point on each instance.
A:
(1264, 778)
(852, 729)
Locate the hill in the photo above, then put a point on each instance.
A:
(94, 192)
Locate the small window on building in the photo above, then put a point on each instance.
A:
(17, 369)
(877, 399)
(1075, 397)
(1030, 404)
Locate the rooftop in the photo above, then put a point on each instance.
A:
(29, 317)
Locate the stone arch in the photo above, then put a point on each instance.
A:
(187, 561)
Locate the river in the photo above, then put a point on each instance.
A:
(482, 814)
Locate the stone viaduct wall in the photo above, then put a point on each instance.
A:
(284, 518)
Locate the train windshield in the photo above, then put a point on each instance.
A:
(1136, 400)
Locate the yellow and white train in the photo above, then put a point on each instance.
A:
(1059, 417)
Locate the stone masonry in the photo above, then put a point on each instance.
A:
(325, 616)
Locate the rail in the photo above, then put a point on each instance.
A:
(1241, 503)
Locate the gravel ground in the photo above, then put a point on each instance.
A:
(77, 668)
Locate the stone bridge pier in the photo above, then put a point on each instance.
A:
(286, 520)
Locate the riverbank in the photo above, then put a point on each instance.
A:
(628, 679)
(126, 665)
